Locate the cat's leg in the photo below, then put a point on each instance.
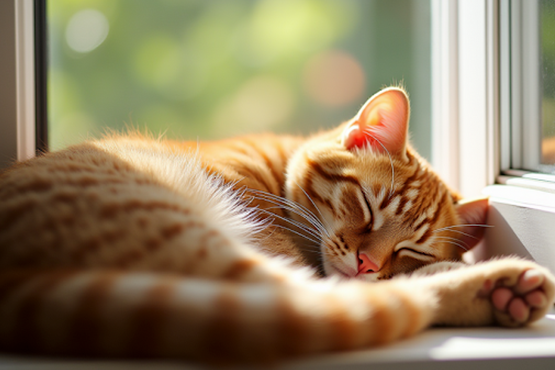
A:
(434, 268)
(508, 292)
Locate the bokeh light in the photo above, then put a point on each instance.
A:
(175, 71)
(334, 78)
(86, 30)
(260, 104)
(281, 29)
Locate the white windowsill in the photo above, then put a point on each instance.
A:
(523, 220)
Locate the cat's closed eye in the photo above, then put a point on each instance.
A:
(410, 252)
(370, 223)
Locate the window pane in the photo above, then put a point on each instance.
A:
(548, 81)
(201, 69)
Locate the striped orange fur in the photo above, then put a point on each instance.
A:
(246, 250)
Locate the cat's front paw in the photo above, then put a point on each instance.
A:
(519, 301)
(509, 292)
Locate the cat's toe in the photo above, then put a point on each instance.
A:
(501, 298)
(518, 310)
(529, 280)
(506, 302)
(536, 299)
(522, 302)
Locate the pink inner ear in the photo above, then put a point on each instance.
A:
(473, 213)
(355, 137)
(382, 123)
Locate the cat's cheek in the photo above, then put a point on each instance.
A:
(330, 271)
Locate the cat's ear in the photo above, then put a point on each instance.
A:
(474, 214)
(381, 123)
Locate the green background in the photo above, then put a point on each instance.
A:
(197, 69)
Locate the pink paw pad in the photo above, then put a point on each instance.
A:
(520, 299)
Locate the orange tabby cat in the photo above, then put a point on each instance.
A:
(216, 251)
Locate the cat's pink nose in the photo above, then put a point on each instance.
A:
(365, 265)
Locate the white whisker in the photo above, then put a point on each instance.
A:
(297, 233)
(463, 225)
(311, 222)
(453, 241)
(293, 207)
(457, 231)
(298, 224)
(315, 206)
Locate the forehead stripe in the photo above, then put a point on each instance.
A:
(407, 184)
(429, 194)
(332, 176)
(404, 200)
(431, 221)
(366, 209)
(315, 196)
(424, 237)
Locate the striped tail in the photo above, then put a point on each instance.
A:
(122, 314)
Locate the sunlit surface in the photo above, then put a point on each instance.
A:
(197, 69)
(474, 348)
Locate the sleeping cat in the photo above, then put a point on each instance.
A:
(246, 250)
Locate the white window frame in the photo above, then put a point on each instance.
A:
(521, 85)
(17, 73)
(465, 93)
(486, 88)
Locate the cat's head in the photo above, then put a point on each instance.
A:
(381, 208)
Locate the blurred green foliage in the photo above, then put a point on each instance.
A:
(547, 11)
(197, 69)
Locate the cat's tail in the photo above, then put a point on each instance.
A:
(122, 314)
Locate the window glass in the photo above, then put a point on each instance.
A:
(200, 69)
(548, 81)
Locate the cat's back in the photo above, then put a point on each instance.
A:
(108, 202)
(103, 166)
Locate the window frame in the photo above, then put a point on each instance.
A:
(521, 100)
(41, 76)
(484, 89)
(18, 140)
(465, 91)
(521, 85)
